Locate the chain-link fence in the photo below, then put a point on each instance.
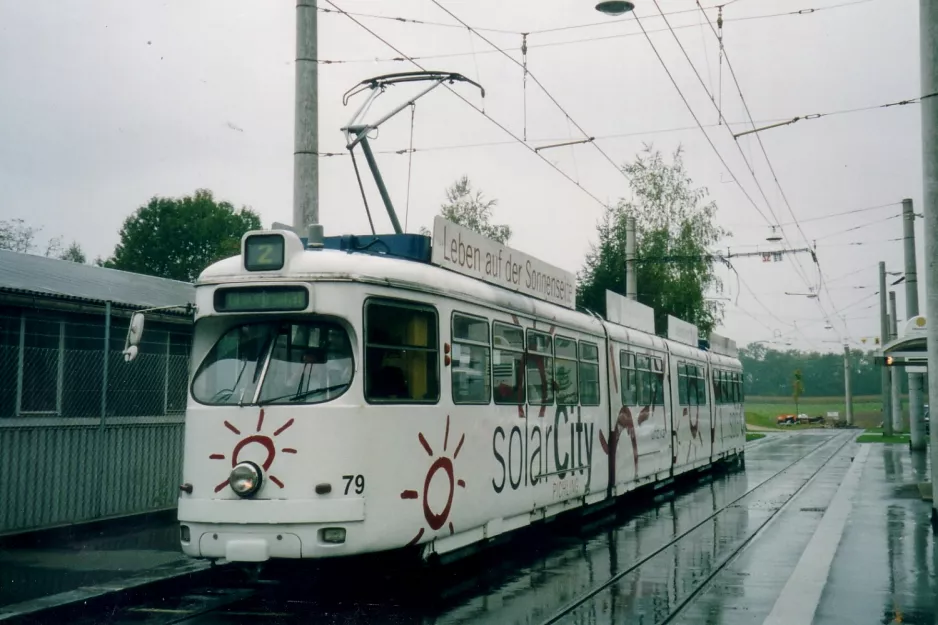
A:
(83, 434)
(56, 366)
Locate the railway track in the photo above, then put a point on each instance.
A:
(838, 443)
(332, 601)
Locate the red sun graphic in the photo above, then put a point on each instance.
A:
(442, 463)
(267, 442)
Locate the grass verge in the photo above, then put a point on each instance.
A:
(875, 435)
(754, 436)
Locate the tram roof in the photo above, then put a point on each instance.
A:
(326, 265)
(331, 265)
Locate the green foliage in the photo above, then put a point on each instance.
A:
(753, 436)
(675, 228)
(766, 372)
(178, 238)
(16, 236)
(74, 253)
(876, 435)
(471, 210)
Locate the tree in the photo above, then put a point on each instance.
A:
(675, 228)
(471, 210)
(74, 253)
(797, 388)
(178, 238)
(766, 371)
(16, 236)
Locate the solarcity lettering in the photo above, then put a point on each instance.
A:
(467, 252)
(527, 456)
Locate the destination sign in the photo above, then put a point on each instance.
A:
(260, 299)
(264, 252)
(467, 252)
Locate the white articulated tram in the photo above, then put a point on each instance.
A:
(376, 393)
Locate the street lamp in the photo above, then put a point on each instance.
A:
(614, 7)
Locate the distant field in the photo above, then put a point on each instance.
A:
(763, 411)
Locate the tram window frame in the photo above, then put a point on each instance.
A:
(682, 384)
(693, 393)
(521, 393)
(571, 362)
(589, 362)
(732, 388)
(643, 368)
(530, 360)
(701, 385)
(471, 343)
(368, 345)
(628, 376)
(657, 380)
(717, 388)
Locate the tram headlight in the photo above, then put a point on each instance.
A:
(245, 479)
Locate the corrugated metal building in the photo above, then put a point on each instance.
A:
(84, 435)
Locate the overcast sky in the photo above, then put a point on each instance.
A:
(106, 103)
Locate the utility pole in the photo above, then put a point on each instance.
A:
(928, 46)
(883, 339)
(894, 373)
(847, 391)
(916, 380)
(306, 121)
(631, 282)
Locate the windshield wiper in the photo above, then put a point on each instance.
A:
(303, 395)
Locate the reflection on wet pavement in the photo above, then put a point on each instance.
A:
(885, 567)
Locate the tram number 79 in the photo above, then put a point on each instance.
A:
(359, 481)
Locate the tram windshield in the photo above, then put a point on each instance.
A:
(280, 362)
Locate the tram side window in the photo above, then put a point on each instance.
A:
(471, 374)
(718, 381)
(693, 393)
(629, 377)
(401, 353)
(589, 374)
(508, 363)
(701, 386)
(645, 384)
(566, 377)
(657, 391)
(733, 397)
(682, 384)
(540, 365)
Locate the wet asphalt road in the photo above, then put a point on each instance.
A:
(718, 551)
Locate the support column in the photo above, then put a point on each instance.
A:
(928, 42)
(306, 120)
(883, 339)
(631, 281)
(894, 380)
(848, 393)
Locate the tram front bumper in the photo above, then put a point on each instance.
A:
(258, 530)
(245, 547)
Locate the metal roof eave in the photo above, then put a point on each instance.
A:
(906, 344)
